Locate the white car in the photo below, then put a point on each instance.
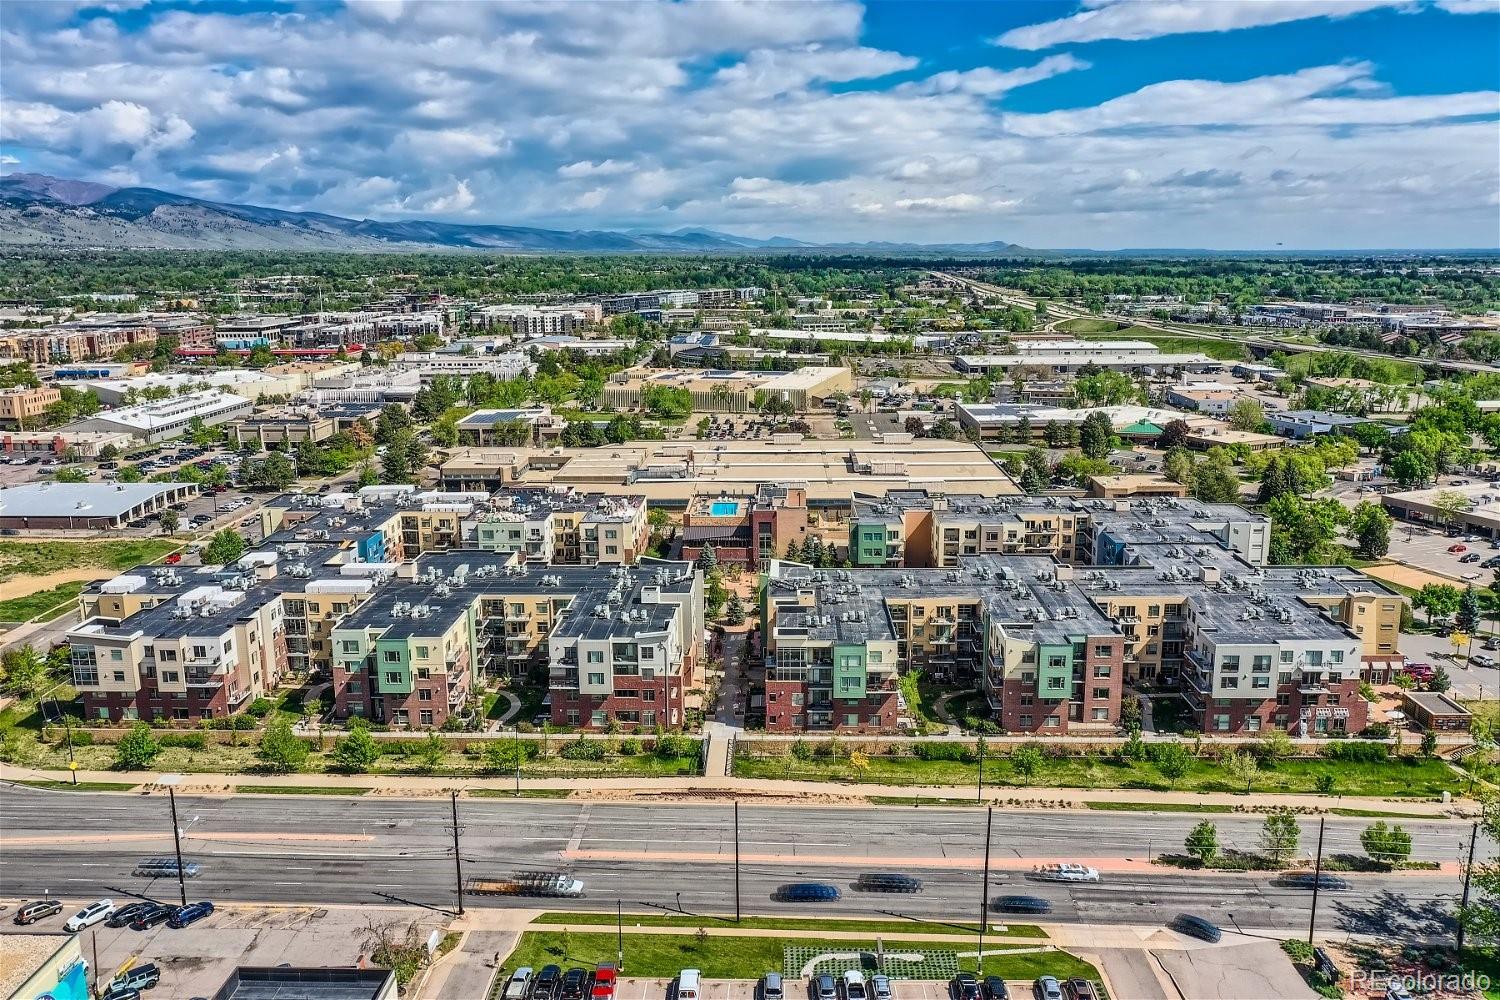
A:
(1482, 660)
(1066, 873)
(98, 910)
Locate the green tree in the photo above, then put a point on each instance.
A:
(1215, 482)
(1173, 760)
(1411, 469)
(734, 614)
(1178, 465)
(1438, 600)
(708, 558)
(1274, 746)
(23, 671)
(1429, 744)
(1096, 436)
(1026, 760)
(226, 546)
(715, 594)
(137, 748)
(1440, 681)
(1241, 768)
(430, 752)
(1467, 619)
(71, 476)
(1371, 527)
(1279, 835)
(1387, 843)
(1203, 842)
(280, 749)
(357, 752)
(1246, 415)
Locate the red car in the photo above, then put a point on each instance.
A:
(604, 983)
(173, 559)
(1457, 548)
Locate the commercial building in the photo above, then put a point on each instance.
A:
(1435, 712)
(251, 383)
(168, 418)
(717, 391)
(1101, 354)
(85, 444)
(431, 364)
(286, 983)
(1004, 420)
(1474, 508)
(1112, 487)
(538, 321)
(92, 506)
(1203, 397)
(24, 407)
(288, 425)
(749, 531)
(489, 428)
(1300, 424)
(43, 967)
(593, 348)
(670, 474)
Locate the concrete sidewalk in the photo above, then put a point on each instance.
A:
(751, 789)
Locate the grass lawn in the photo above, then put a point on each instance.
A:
(526, 793)
(299, 790)
(82, 786)
(1169, 713)
(41, 558)
(1408, 777)
(1176, 807)
(1089, 326)
(727, 957)
(785, 923)
(902, 800)
(57, 601)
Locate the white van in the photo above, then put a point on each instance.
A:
(854, 985)
(687, 984)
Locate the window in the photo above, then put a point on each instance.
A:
(851, 719)
(1221, 723)
(120, 676)
(1261, 663)
(167, 677)
(1287, 656)
(424, 717)
(1260, 683)
(1229, 682)
(1102, 671)
(649, 718)
(1252, 724)
(1101, 715)
(423, 673)
(391, 656)
(424, 694)
(648, 652)
(1051, 722)
(167, 655)
(392, 677)
(421, 652)
(1055, 683)
(1102, 650)
(353, 687)
(596, 679)
(1314, 657)
(595, 656)
(1025, 722)
(1336, 656)
(116, 655)
(1229, 662)
(1101, 692)
(1284, 677)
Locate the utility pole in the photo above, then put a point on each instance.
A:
(458, 859)
(1464, 905)
(984, 892)
(1317, 883)
(736, 860)
(979, 796)
(67, 728)
(177, 842)
(619, 935)
(517, 731)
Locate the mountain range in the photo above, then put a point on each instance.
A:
(39, 211)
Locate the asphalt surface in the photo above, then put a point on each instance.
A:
(661, 856)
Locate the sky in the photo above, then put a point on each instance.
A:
(1222, 124)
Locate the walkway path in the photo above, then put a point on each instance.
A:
(831, 793)
(940, 709)
(513, 706)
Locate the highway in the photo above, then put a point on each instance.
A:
(325, 850)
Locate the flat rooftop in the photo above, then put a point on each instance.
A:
(307, 984)
(79, 499)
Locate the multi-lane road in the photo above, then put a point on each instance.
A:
(368, 850)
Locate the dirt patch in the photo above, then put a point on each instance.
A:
(1408, 576)
(25, 586)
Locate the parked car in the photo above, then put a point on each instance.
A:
(158, 914)
(1047, 988)
(688, 985)
(808, 892)
(995, 988)
(127, 913)
(1198, 927)
(1319, 880)
(1080, 989)
(854, 985)
(41, 909)
(547, 983)
(1459, 547)
(604, 983)
(575, 983)
(824, 988)
(771, 987)
(122, 993)
(191, 913)
(964, 986)
(887, 882)
(96, 912)
(518, 985)
(1065, 872)
(1021, 904)
(140, 977)
(880, 988)
(1397, 991)
(1482, 660)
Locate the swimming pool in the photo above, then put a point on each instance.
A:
(724, 508)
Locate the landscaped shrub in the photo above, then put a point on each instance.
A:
(582, 749)
(630, 747)
(260, 708)
(185, 741)
(676, 746)
(958, 752)
(1357, 752)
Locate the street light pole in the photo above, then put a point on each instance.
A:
(984, 892)
(1464, 905)
(177, 843)
(517, 731)
(458, 860)
(67, 728)
(1317, 883)
(979, 796)
(736, 860)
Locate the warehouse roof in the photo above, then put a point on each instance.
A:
(79, 499)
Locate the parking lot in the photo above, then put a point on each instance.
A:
(195, 960)
(1426, 549)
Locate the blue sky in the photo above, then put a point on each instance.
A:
(1101, 123)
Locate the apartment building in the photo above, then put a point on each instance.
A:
(617, 645)
(748, 531)
(102, 335)
(24, 407)
(538, 321)
(565, 526)
(201, 654)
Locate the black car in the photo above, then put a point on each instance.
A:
(127, 913)
(824, 988)
(159, 913)
(887, 882)
(994, 989)
(1315, 880)
(547, 983)
(190, 913)
(964, 986)
(808, 892)
(1197, 927)
(1020, 904)
(575, 983)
